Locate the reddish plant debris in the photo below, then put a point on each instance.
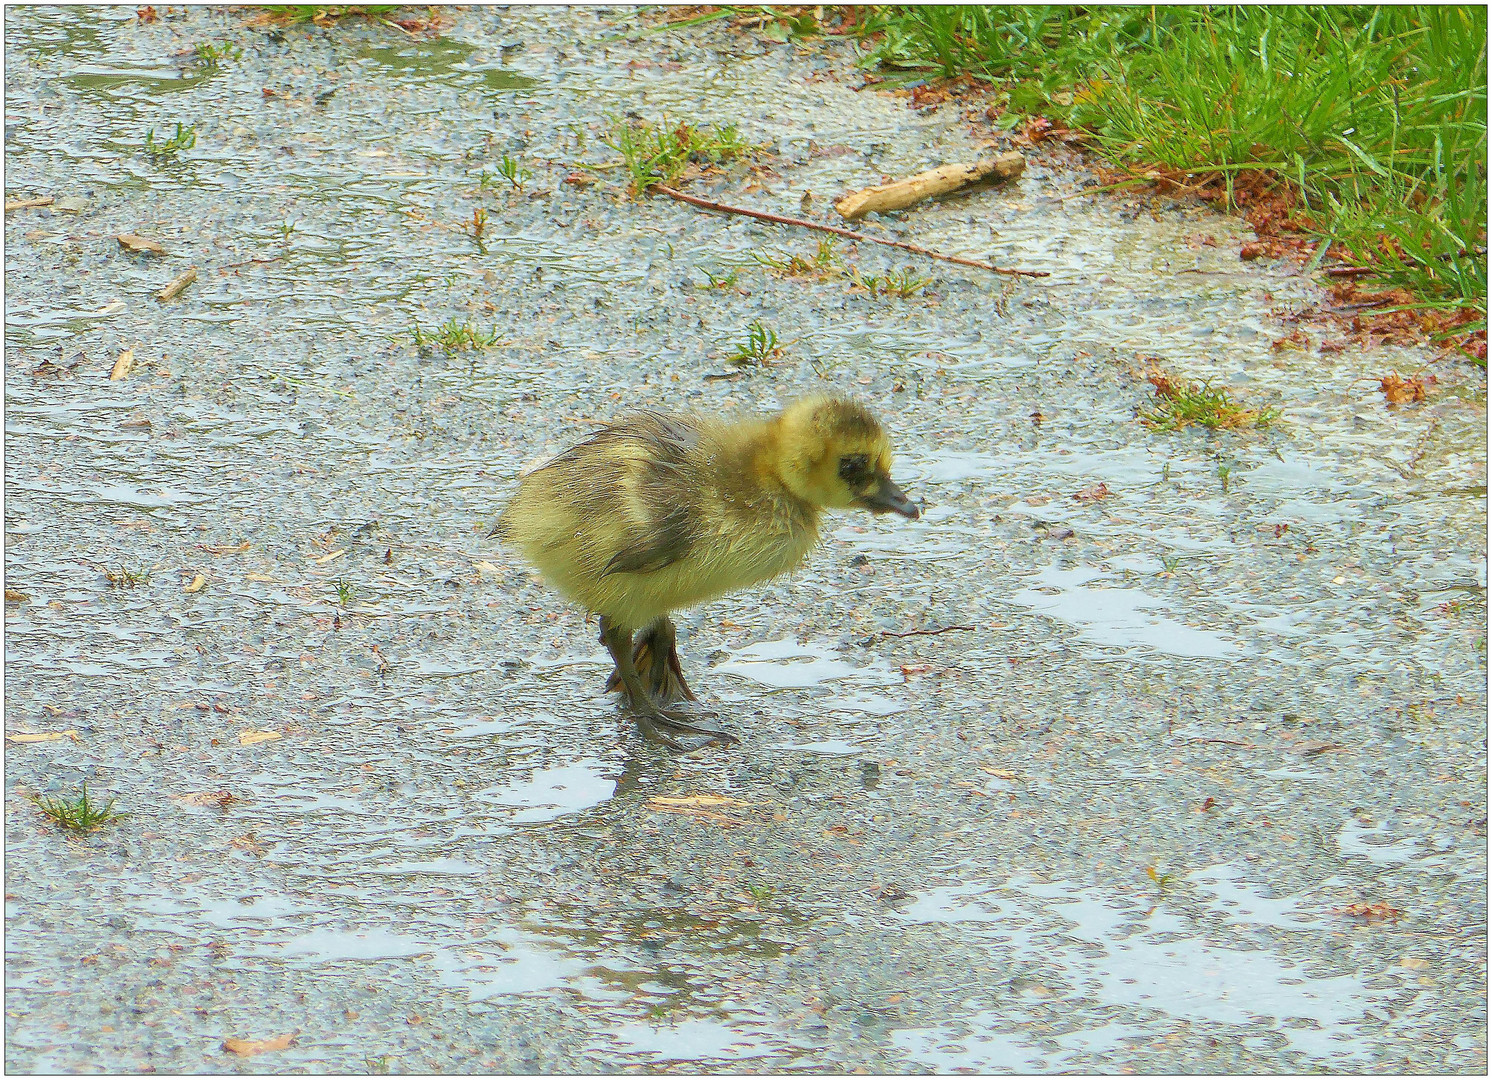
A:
(1370, 913)
(146, 14)
(1093, 494)
(1401, 391)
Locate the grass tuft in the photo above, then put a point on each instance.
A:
(902, 283)
(209, 55)
(664, 153)
(822, 264)
(327, 15)
(128, 577)
(184, 139)
(759, 349)
(453, 336)
(1177, 405)
(80, 814)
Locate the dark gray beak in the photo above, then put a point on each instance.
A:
(889, 497)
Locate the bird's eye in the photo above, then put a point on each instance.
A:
(854, 468)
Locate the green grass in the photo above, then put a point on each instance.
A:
(1373, 120)
(81, 814)
(211, 56)
(661, 153)
(902, 283)
(328, 14)
(184, 139)
(1177, 405)
(823, 263)
(509, 169)
(760, 347)
(453, 336)
(731, 280)
(128, 577)
(346, 591)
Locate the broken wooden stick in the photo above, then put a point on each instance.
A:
(782, 219)
(22, 204)
(925, 185)
(182, 280)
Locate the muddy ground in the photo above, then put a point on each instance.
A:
(1202, 788)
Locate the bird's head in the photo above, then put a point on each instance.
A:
(831, 452)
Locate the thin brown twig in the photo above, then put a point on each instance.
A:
(782, 219)
(246, 262)
(1227, 742)
(929, 633)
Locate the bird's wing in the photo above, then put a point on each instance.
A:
(667, 539)
(661, 502)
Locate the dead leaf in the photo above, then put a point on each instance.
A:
(1003, 774)
(259, 577)
(42, 736)
(1399, 391)
(226, 549)
(1093, 494)
(205, 798)
(694, 812)
(250, 1047)
(1371, 913)
(249, 843)
(1316, 746)
(22, 204)
(249, 738)
(14, 596)
(73, 204)
(180, 282)
(488, 568)
(198, 584)
(662, 801)
(1414, 963)
(123, 364)
(131, 242)
(328, 558)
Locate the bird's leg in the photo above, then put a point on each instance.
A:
(657, 660)
(652, 718)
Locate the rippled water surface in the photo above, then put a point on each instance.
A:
(1186, 778)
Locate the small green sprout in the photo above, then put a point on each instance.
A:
(1178, 405)
(760, 347)
(210, 56)
(80, 814)
(453, 336)
(128, 577)
(184, 139)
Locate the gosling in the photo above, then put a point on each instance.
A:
(658, 512)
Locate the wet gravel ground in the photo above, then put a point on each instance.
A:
(1119, 824)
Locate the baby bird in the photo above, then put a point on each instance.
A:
(657, 512)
